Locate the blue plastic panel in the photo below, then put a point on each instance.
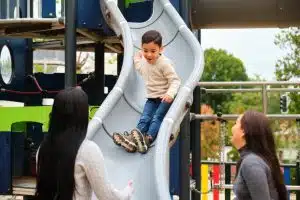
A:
(141, 11)
(2, 9)
(138, 12)
(18, 153)
(17, 48)
(12, 5)
(48, 8)
(23, 8)
(5, 163)
(89, 14)
(175, 168)
(19, 52)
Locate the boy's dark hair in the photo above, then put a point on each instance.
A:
(152, 36)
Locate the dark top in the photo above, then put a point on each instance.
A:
(254, 180)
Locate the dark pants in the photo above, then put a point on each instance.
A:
(152, 116)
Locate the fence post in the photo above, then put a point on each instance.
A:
(204, 181)
(216, 180)
(195, 142)
(184, 136)
(298, 179)
(287, 178)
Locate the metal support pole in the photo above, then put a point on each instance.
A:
(99, 73)
(29, 57)
(28, 70)
(184, 157)
(29, 11)
(7, 9)
(265, 99)
(119, 63)
(234, 116)
(248, 83)
(227, 180)
(196, 135)
(196, 146)
(298, 178)
(288, 187)
(17, 9)
(228, 90)
(70, 41)
(40, 9)
(62, 8)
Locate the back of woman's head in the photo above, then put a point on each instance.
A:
(259, 139)
(70, 110)
(57, 153)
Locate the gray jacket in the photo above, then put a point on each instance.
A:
(254, 180)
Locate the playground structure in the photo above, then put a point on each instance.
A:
(91, 32)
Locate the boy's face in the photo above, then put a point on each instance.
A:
(151, 52)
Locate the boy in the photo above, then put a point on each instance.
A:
(162, 84)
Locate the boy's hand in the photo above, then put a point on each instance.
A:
(138, 55)
(166, 98)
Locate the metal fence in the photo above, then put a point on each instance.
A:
(264, 88)
(291, 175)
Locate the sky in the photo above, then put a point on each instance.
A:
(255, 47)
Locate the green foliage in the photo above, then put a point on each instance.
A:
(241, 102)
(233, 155)
(288, 67)
(37, 68)
(221, 66)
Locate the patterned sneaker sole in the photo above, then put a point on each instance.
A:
(138, 138)
(128, 145)
(124, 142)
(117, 138)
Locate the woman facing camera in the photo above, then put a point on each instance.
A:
(258, 171)
(70, 167)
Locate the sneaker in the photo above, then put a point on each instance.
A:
(129, 136)
(117, 138)
(139, 140)
(124, 140)
(148, 140)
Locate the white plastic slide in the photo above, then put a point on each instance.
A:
(123, 106)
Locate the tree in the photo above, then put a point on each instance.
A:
(242, 102)
(288, 67)
(221, 66)
(209, 135)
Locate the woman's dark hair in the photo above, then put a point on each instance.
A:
(57, 153)
(259, 140)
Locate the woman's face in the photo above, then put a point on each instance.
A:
(238, 139)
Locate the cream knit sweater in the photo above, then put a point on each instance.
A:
(90, 176)
(160, 78)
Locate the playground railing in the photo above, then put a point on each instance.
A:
(13, 9)
(210, 175)
(265, 88)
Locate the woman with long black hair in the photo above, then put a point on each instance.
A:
(258, 171)
(70, 167)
